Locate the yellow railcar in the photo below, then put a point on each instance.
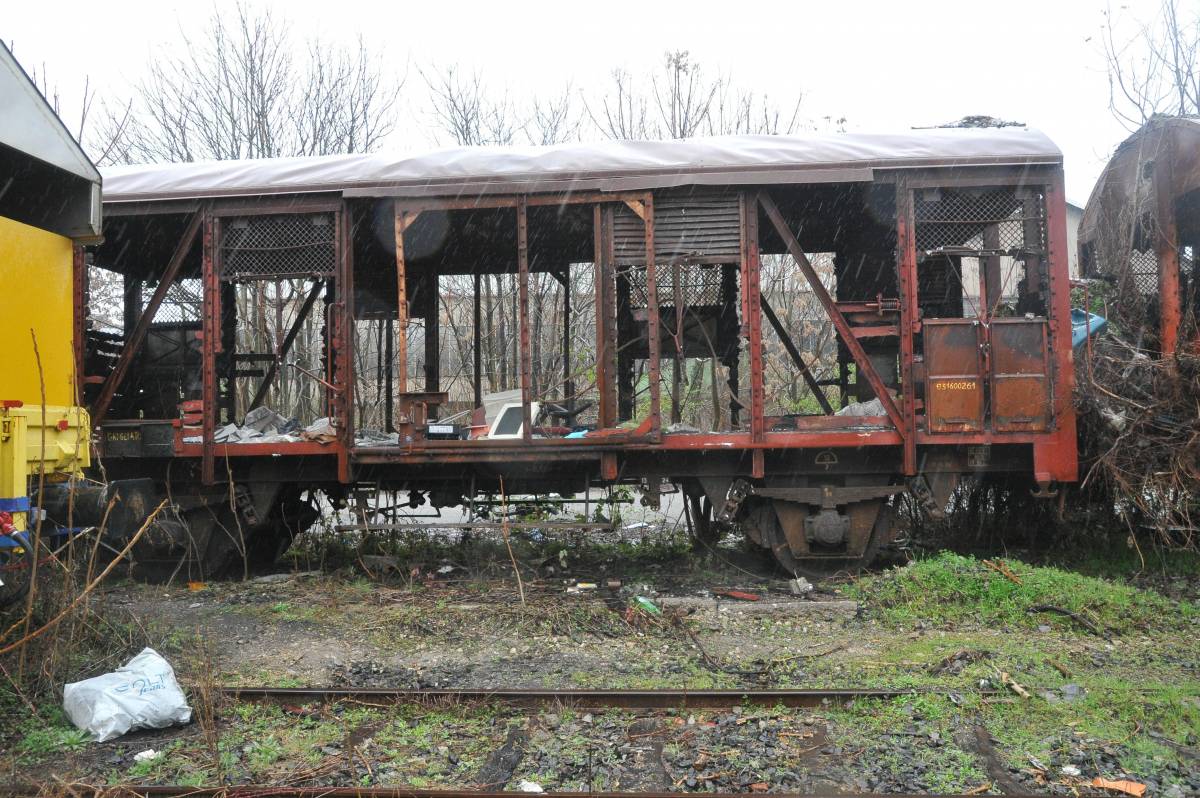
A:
(49, 208)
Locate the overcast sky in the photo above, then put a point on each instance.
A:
(882, 65)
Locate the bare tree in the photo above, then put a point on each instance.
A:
(683, 101)
(236, 91)
(462, 108)
(1156, 69)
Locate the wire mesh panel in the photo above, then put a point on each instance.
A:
(183, 302)
(961, 218)
(694, 284)
(281, 245)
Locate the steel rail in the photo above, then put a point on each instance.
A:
(266, 791)
(621, 699)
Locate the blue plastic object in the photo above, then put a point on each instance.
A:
(1085, 325)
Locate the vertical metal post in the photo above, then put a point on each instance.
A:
(907, 266)
(389, 343)
(211, 324)
(433, 343)
(992, 281)
(753, 308)
(1166, 248)
(523, 312)
(401, 306)
(476, 353)
(606, 311)
(568, 385)
(1058, 458)
(345, 339)
(653, 328)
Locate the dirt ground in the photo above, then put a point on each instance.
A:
(1115, 695)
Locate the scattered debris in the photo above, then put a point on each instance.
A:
(873, 407)
(800, 586)
(736, 594)
(1076, 617)
(141, 695)
(147, 755)
(1070, 770)
(1126, 786)
(646, 605)
(956, 662)
(1000, 567)
(1013, 685)
(530, 786)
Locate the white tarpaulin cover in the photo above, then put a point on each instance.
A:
(606, 166)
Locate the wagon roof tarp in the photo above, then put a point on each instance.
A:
(604, 166)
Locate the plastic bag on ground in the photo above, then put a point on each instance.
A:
(141, 695)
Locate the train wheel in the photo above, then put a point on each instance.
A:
(778, 526)
(14, 573)
(706, 533)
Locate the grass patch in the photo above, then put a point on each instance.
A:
(950, 588)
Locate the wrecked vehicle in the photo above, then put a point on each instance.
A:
(689, 313)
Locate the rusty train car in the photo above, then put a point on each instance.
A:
(944, 285)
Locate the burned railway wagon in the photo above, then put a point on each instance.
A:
(537, 320)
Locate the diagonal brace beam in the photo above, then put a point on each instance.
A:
(136, 338)
(797, 358)
(286, 345)
(831, 309)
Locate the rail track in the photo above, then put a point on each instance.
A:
(584, 698)
(588, 698)
(250, 791)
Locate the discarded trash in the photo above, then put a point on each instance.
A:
(736, 594)
(800, 586)
(141, 695)
(446, 569)
(196, 587)
(530, 786)
(1133, 788)
(613, 584)
(581, 587)
(320, 431)
(1070, 770)
(1013, 685)
(146, 756)
(646, 605)
(872, 408)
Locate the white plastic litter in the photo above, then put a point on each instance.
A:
(530, 786)
(145, 756)
(141, 695)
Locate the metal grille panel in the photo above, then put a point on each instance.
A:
(957, 219)
(284, 245)
(698, 285)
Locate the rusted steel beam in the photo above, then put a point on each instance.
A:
(831, 309)
(286, 345)
(476, 339)
(403, 220)
(606, 311)
(344, 341)
(795, 355)
(653, 330)
(1166, 250)
(211, 328)
(906, 250)
(568, 386)
(134, 342)
(752, 291)
(1057, 456)
(523, 312)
